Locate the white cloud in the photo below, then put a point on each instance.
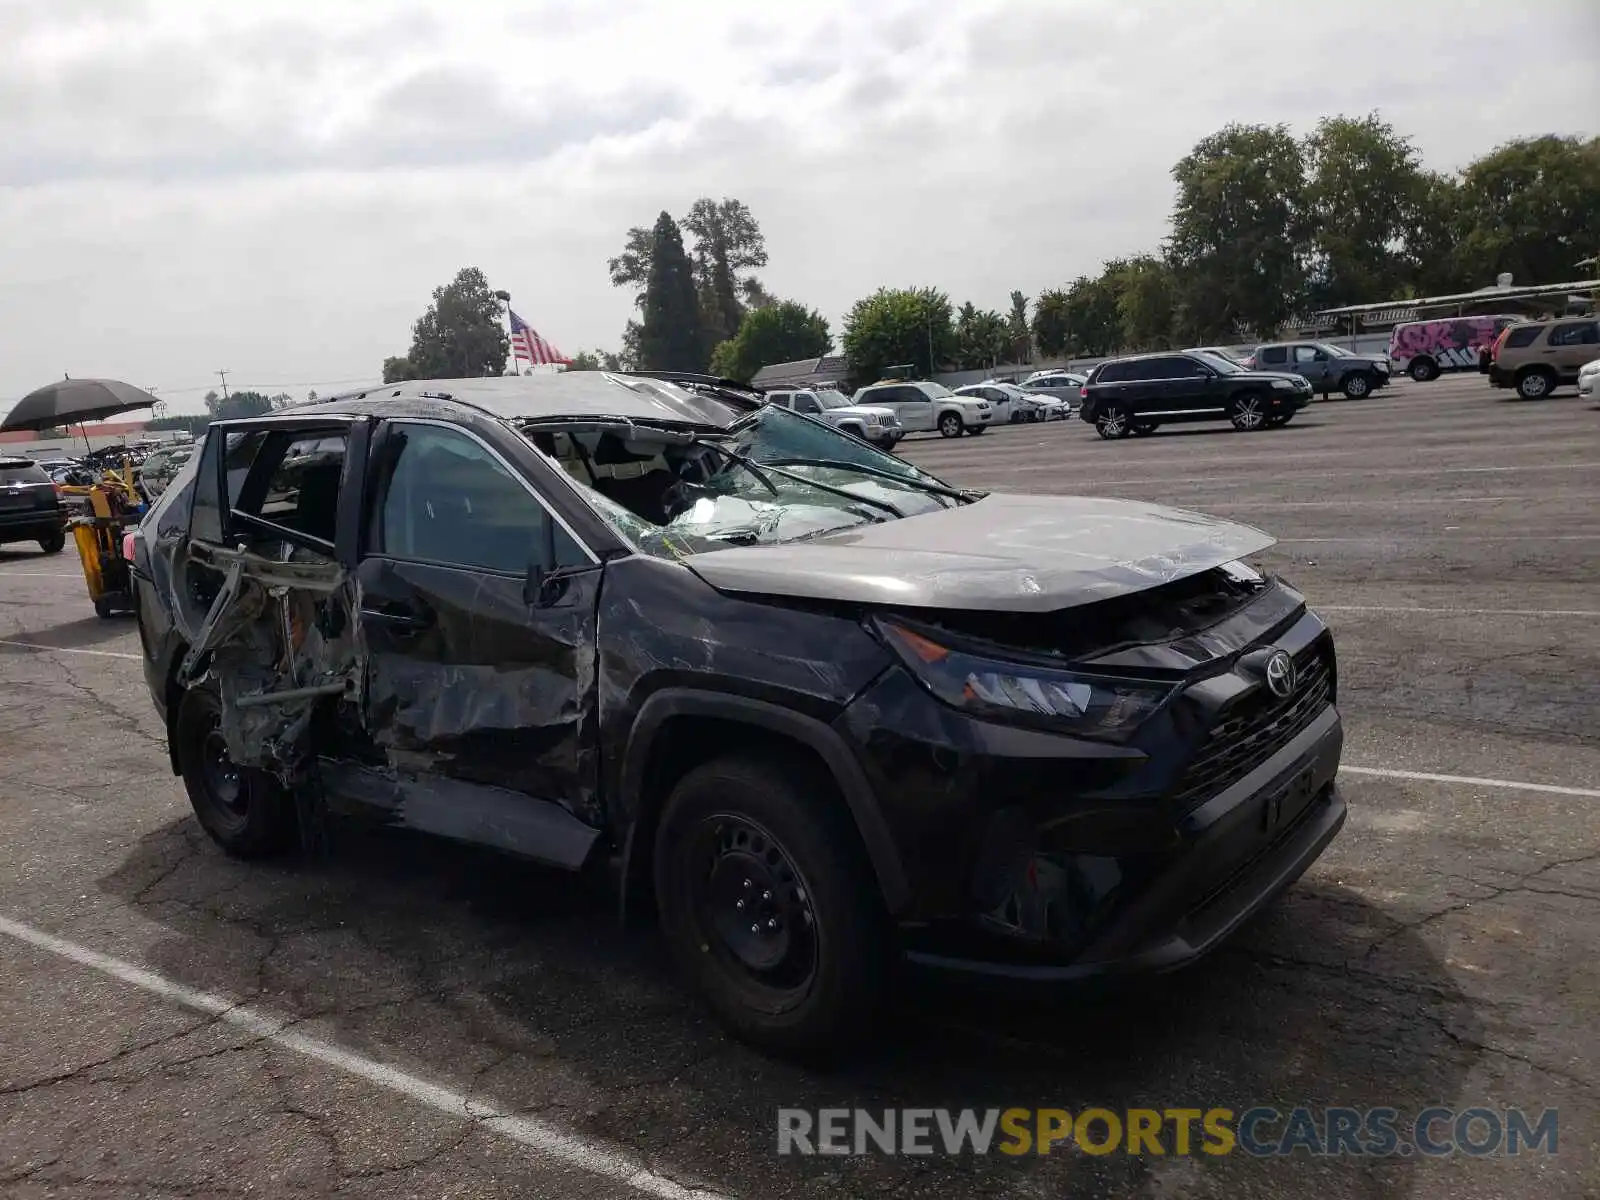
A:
(275, 188)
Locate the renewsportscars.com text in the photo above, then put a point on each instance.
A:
(1260, 1131)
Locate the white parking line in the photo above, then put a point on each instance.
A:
(1473, 780)
(40, 575)
(1459, 612)
(67, 650)
(542, 1137)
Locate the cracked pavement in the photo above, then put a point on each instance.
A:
(1446, 950)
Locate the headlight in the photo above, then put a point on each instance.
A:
(1284, 385)
(1072, 701)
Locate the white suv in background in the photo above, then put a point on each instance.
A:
(876, 423)
(924, 407)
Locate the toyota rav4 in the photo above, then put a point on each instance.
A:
(823, 711)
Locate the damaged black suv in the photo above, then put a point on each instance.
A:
(827, 712)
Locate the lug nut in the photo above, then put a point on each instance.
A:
(772, 923)
(766, 895)
(755, 929)
(738, 903)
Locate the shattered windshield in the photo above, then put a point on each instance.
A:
(773, 476)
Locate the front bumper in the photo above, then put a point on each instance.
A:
(1033, 855)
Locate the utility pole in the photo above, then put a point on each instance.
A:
(223, 375)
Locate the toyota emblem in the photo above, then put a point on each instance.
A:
(1280, 674)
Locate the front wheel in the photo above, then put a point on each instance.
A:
(1535, 385)
(1114, 421)
(1248, 412)
(243, 809)
(1423, 369)
(950, 425)
(1356, 387)
(768, 905)
(53, 543)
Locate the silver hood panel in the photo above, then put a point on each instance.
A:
(1005, 553)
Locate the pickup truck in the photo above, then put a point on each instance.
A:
(871, 423)
(1327, 368)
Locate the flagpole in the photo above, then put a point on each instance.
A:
(510, 347)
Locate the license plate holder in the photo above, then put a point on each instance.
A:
(1286, 802)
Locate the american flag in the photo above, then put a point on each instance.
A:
(528, 346)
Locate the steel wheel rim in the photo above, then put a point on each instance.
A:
(751, 906)
(1113, 422)
(224, 781)
(1357, 386)
(1535, 385)
(950, 426)
(1248, 413)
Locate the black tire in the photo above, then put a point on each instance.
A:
(103, 609)
(244, 811)
(55, 543)
(812, 980)
(1277, 420)
(1248, 412)
(1423, 369)
(1535, 383)
(854, 431)
(950, 425)
(1356, 386)
(1145, 428)
(1114, 421)
(976, 430)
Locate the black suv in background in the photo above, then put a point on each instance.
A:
(1140, 394)
(795, 689)
(30, 507)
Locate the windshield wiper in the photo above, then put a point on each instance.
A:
(750, 465)
(966, 496)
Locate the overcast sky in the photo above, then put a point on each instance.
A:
(276, 187)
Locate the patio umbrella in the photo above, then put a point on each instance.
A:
(74, 401)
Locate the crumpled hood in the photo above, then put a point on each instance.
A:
(1006, 553)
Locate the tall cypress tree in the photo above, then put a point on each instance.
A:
(671, 337)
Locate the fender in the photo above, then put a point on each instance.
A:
(808, 731)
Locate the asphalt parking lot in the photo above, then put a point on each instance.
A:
(402, 1018)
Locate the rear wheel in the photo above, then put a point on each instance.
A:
(244, 810)
(950, 425)
(1535, 383)
(1356, 386)
(1423, 369)
(768, 905)
(1248, 412)
(1114, 421)
(53, 543)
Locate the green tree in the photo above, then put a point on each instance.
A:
(983, 338)
(280, 400)
(1093, 313)
(899, 327)
(1017, 322)
(631, 268)
(781, 332)
(1050, 331)
(1144, 292)
(462, 335)
(727, 242)
(238, 404)
(1435, 228)
(584, 361)
(397, 369)
(1364, 183)
(1532, 208)
(1238, 244)
(671, 336)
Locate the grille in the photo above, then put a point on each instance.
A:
(1256, 728)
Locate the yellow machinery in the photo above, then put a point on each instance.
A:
(113, 506)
